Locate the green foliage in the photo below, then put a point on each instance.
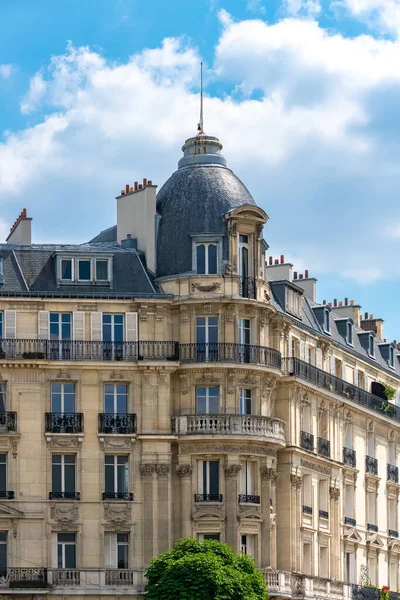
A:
(390, 392)
(209, 570)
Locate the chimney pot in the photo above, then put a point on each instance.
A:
(306, 273)
(130, 190)
(270, 260)
(149, 182)
(301, 276)
(330, 304)
(324, 302)
(24, 213)
(282, 259)
(276, 261)
(295, 275)
(384, 339)
(144, 182)
(346, 301)
(136, 186)
(371, 316)
(140, 186)
(335, 302)
(127, 188)
(366, 316)
(340, 303)
(122, 192)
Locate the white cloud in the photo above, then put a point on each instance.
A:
(6, 71)
(256, 6)
(384, 14)
(37, 90)
(308, 8)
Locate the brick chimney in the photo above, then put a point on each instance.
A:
(20, 232)
(370, 323)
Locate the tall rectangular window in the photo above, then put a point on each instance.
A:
(116, 550)
(247, 478)
(209, 478)
(207, 400)
(245, 401)
(60, 326)
(207, 262)
(350, 575)
(63, 475)
(113, 328)
(247, 544)
(116, 475)
(101, 269)
(123, 550)
(66, 269)
(3, 390)
(66, 550)
(63, 397)
(349, 333)
(371, 346)
(1, 325)
(3, 553)
(3, 475)
(84, 269)
(116, 398)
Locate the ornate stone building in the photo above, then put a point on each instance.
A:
(169, 379)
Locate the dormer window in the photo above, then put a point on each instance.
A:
(327, 325)
(1, 271)
(84, 270)
(371, 348)
(391, 357)
(66, 269)
(349, 333)
(207, 259)
(102, 269)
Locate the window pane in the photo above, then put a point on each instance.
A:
(56, 474)
(109, 475)
(2, 397)
(211, 536)
(122, 556)
(122, 474)
(3, 474)
(102, 270)
(122, 399)
(201, 407)
(214, 476)
(59, 556)
(212, 259)
(69, 471)
(66, 269)
(109, 399)
(201, 259)
(1, 325)
(84, 270)
(70, 558)
(66, 537)
(213, 400)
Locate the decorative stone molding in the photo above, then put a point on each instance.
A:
(208, 377)
(162, 377)
(184, 382)
(232, 227)
(226, 449)
(55, 441)
(63, 375)
(348, 416)
(143, 312)
(184, 470)
(162, 470)
(116, 442)
(116, 375)
(230, 313)
(370, 426)
(231, 383)
(211, 287)
(316, 467)
(87, 307)
(296, 481)
(269, 474)
(160, 312)
(250, 379)
(391, 435)
(334, 493)
(147, 470)
(232, 470)
(268, 388)
(117, 516)
(207, 309)
(65, 516)
(184, 314)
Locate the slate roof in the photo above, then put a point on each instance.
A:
(194, 200)
(31, 270)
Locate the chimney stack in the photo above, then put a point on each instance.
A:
(20, 233)
(370, 323)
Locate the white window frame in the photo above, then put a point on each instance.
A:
(327, 321)
(391, 357)
(63, 545)
(371, 345)
(62, 395)
(349, 334)
(63, 490)
(207, 388)
(90, 261)
(243, 399)
(215, 239)
(115, 470)
(115, 395)
(200, 482)
(206, 260)
(107, 260)
(61, 259)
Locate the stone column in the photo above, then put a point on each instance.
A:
(334, 493)
(164, 507)
(185, 473)
(231, 503)
(268, 476)
(147, 471)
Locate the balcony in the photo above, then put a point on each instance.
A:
(84, 350)
(64, 496)
(290, 585)
(349, 457)
(8, 421)
(350, 521)
(393, 473)
(64, 422)
(324, 447)
(248, 288)
(307, 510)
(127, 496)
(97, 578)
(117, 423)
(371, 465)
(361, 592)
(208, 498)
(230, 353)
(7, 495)
(371, 527)
(24, 578)
(298, 368)
(249, 498)
(307, 441)
(247, 425)
(393, 533)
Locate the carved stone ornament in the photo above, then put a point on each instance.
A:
(184, 470)
(348, 416)
(231, 383)
(117, 516)
(392, 435)
(296, 481)
(184, 314)
(64, 442)
(268, 387)
(228, 268)
(250, 379)
(230, 313)
(63, 375)
(160, 311)
(115, 442)
(370, 426)
(65, 516)
(162, 470)
(116, 375)
(184, 382)
(316, 467)
(232, 470)
(227, 449)
(147, 470)
(269, 474)
(208, 376)
(143, 312)
(232, 227)
(200, 287)
(334, 493)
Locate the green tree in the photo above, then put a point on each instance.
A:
(209, 570)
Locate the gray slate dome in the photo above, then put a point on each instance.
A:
(193, 201)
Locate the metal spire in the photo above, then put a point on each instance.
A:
(200, 124)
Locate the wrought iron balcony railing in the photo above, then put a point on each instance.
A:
(85, 350)
(350, 521)
(324, 447)
(231, 353)
(249, 498)
(364, 592)
(7, 495)
(349, 457)
(63, 422)
(208, 498)
(372, 527)
(8, 421)
(393, 533)
(324, 514)
(307, 441)
(26, 578)
(117, 423)
(371, 465)
(64, 496)
(248, 425)
(128, 496)
(393, 473)
(299, 368)
(307, 510)
(248, 287)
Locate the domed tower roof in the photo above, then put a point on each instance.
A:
(193, 201)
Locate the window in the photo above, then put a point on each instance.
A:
(244, 262)
(63, 469)
(207, 259)
(295, 347)
(391, 357)
(1, 324)
(60, 326)
(349, 501)
(307, 558)
(349, 333)
(371, 507)
(393, 574)
(209, 536)
(323, 562)
(116, 550)
(3, 553)
(207, 400)
(244, 331)
(84, 270)
(307, 492)
(116, 398)
(327, 325)
(247, 478)
(247, 544)
(63, 398)
(116, 476)
(113, 328)
(3, 475)
(101, 269)
(323, 498)
(371, 348)
(350, 575)
(244, 401)
(208, 479)
(66, 269)
(66, 550)
(207, 339)
(2, 397)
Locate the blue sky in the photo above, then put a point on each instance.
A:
(304, 95)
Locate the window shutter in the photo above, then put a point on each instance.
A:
(200, 476)
(110, 550)
(78, 323)
(318, 358)
(345, 375)
(302, 350)
(96, 326)
(131, 327)
(356, 377)
(43, 325)
(333, 365)
(10, 329)
(242, 481)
